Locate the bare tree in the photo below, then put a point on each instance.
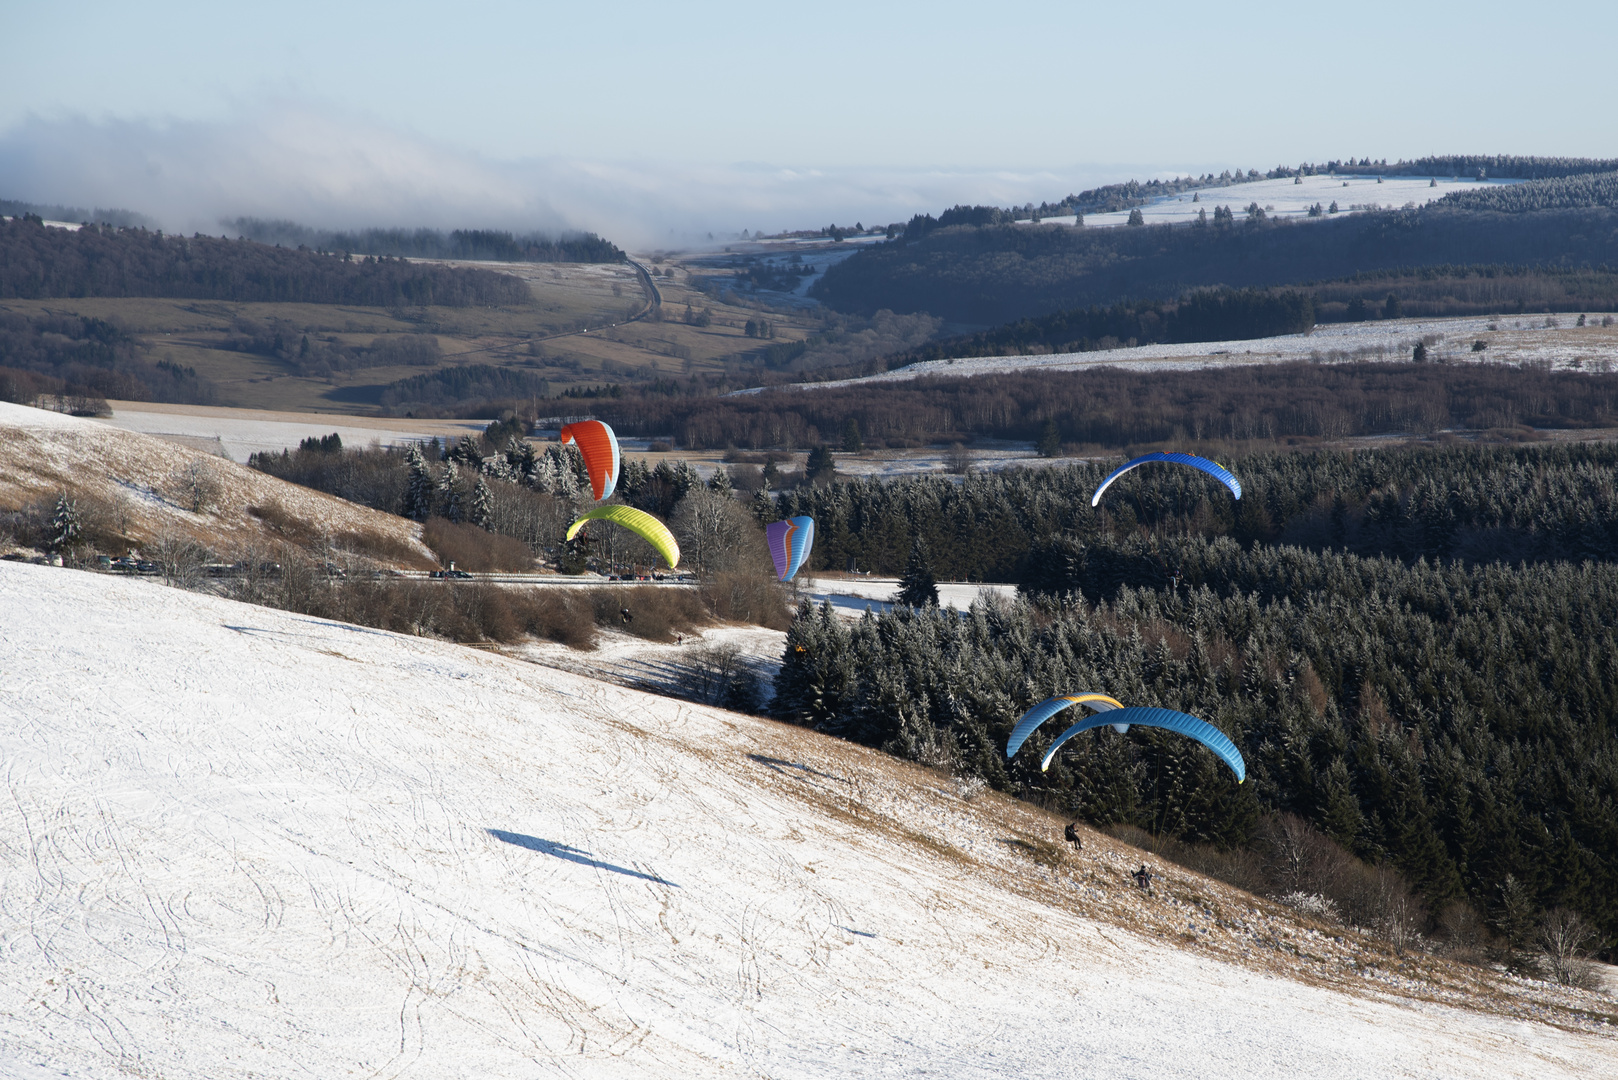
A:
(196, 486)
(713, 531)
(1565, 941)
(180, 558)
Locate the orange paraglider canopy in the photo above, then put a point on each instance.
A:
(600, 449)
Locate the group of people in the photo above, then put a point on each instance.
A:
(1143, 876)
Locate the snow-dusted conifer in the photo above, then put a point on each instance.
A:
(719, 483)
(64, 524)
(419, 486)
(481, 512)
(449, 495)
(918, 587)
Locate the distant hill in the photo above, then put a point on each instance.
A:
(38, 262)
(477, 244)
(1000, 273)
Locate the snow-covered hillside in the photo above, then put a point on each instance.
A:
(154, 488)
(1550, 341)
(1291, 197)
(240, 842)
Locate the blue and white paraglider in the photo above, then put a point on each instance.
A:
(1212, 468)
(1119, 718)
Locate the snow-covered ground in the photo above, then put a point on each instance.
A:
(242, 432)
(146, 488)
(1514, 339)
(851, 595)
(241, 842)
(1292, 197)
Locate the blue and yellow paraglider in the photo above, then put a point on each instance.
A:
(1120, 719)
(1212, 468)
(790, 543)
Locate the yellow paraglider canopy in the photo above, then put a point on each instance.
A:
(642, 524)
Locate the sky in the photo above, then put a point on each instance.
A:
(652, 121)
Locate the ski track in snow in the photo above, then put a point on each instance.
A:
(238, 841)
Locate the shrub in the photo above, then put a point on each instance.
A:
(474, 549)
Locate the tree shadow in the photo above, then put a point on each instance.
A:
(571, 854)
(777, 765)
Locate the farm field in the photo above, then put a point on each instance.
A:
(1291, 197)
(245, 842)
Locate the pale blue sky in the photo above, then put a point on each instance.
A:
(695, 112)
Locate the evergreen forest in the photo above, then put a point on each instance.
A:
(1416, 651)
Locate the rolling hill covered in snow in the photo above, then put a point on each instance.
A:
(242, 842)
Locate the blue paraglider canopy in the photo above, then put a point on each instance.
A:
(1121, 719)
(1049, 708)
(1212, 468)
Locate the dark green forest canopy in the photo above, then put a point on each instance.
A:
(1469, 502)
(1415, 649)
(37, 262)
(1204, 315)
(1457, 723)
(1113, 408)
(1590, 189)
(999, 274)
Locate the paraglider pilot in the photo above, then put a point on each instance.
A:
(623, 613)
(1143, 878)
(1072, 834)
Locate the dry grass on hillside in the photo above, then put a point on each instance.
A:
(134, 490)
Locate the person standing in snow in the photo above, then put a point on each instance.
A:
(1143, 878)
(1072, 835)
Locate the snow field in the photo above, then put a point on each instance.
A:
(1284, 198)
(1516, 339)
(244, 432)
(244, 842)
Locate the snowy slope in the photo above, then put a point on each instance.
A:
(1510, 339)
(1291, 197)
(144, 480)
(239, 842)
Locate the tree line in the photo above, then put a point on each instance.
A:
(1110, 408)
(1561, 193)
(999, 274)
(472, 244)
(91, 359)
(1474, 503)
(37, 262)
(1203, 315)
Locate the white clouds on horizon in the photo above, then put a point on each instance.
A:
(330, 170)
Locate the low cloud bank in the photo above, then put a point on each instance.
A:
(335, 171)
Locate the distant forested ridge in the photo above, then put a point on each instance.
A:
(998, 274)
(469, 386)
(37, 262)
(1111, 198)
(472, 244)
(57, 212)
(1204, 315)
(1562, 193)
(89, 358)
(1112, 408)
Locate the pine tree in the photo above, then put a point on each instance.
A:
(918, 587)
(481, 512)
(764, 507)
(719, 483)
(1050, 440)
(449, 494)
(419, 486)
(851, 434)
(64, 528)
